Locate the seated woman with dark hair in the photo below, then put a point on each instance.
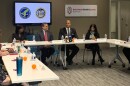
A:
(20, 34)
(93, 34)
(4, 78)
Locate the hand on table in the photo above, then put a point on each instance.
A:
(47, 46)
(93, 39)
(3, 50)
(10, 50)
(7, 81)
(4, 53)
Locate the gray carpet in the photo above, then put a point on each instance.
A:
(89, 75)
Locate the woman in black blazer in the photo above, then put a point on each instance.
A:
(93, 34)
(20, 34)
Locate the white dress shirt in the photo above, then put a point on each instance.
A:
(68, 31)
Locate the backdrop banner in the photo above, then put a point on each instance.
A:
(80, 10)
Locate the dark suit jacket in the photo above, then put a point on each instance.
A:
(64, 32)
(49, 34)
(41, 37)
(95, 34)
(16, 36)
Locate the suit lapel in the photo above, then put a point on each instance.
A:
(48, 35)
(42, 35)
(65, 31)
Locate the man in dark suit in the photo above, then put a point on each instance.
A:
(126, 52)
(46, 35)
(71, 50)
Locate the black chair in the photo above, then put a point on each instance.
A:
(34, 49)
(54, 57)
(85, 49)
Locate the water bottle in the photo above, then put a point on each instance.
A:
(33, 37)
(33, 56)
(129, 39)
(105, 36)
(66, 39)
(28, 50)
(19, 63)
(70, 38)
(83, 37)
(21, 49)
(18, 49)
(22, 44)
(62, 38)
(14, 41)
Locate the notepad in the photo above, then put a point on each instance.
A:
(30, 41)
(14, 53)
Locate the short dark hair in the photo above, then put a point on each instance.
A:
(44, 24)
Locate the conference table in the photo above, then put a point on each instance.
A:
(81, 41)
(117, 56)
(41, 73)
(61, 42)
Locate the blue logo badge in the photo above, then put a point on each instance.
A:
(24, 12)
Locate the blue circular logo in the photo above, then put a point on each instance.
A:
(24, 12)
